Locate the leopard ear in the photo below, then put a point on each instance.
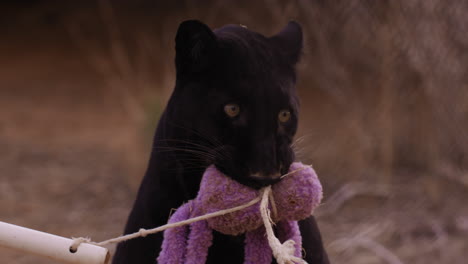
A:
(289, 41)
(195, 47)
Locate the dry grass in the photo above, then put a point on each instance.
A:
(384, 115)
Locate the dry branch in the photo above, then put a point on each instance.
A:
(365, 242)
(348, 192)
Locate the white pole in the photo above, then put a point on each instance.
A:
(51, 246)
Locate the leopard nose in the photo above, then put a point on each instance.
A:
(266, 179)
(269, 176)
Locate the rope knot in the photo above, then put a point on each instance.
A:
(284, 253)
(77, 242)
(143, 232)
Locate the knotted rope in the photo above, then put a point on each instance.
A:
(283, 253)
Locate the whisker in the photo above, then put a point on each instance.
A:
(294, 171)
(213, 141)
(299, 147)
(199, 146)
(216, 151)
(198, 152)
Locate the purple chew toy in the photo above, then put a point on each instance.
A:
(292, 199)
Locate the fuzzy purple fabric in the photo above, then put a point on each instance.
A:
(290, 230)
(174, 245)
(255, 249)
(200, 239)
(218, 192)
(295, 197)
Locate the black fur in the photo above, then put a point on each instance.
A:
(214, 68)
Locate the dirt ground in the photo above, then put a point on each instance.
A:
(68, 168)
(72, 155)
(63, 157)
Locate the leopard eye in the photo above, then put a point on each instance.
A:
(232, 110)
(284, 116)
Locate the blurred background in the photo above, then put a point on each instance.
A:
(383, 86)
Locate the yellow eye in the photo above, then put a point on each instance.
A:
(232, 110)
(284, 116)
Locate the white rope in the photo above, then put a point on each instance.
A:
(77, 242)
(284, 253)
(144, 232)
